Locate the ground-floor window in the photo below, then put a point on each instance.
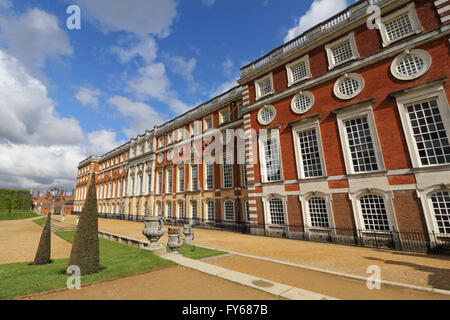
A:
(441, 210)
(210, 210)
(180, 210)
(318, 215)
(194, 209)
(169, 209)
(373, 212)
(276, 211)
(229, 210)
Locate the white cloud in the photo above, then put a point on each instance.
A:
(152, 82)
(34, 37)
(208, 3)
(228, 67)
(183, 67)
(37, 146)
(102, 141)
(27, 114)
(319, 11)
(88, 97)
(140, 115)
(224, 87)
(141, 17)
(146, 49)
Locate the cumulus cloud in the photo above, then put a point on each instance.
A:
(319, 11)
(141, 116)
(37, 146)
(141, 17)
(34, 37)
(88, 97)
(102, 141)
(183, 67)
(27, 114)
(145, 48)
(152, 82)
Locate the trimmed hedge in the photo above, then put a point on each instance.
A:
(21, 199)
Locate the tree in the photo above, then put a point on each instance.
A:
(44, 249)
(85, 249)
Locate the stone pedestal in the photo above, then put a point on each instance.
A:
(188, 233)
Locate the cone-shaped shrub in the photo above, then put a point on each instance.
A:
(85, 250)
(44, 249)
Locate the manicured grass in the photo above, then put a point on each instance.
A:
(194, 252)
(116, 260)
(40, 222)
(16, 214)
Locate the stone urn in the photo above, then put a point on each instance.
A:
(174, 242)
(188, 233)
(154, 230)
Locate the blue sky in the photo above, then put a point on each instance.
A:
(133, 64)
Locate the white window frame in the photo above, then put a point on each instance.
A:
(206, 175)
(194, 176)
(363, 110)
(205, 119)
(289, 66)
(160, 182)
(267, 215)
(346, 76)
(224, 211)
(180, 207)
(166, 209)
(329, 50)
(207, 210)
(302, 93)
(298, 156)
(221, 112)
(422, 94)
(169, 182)
(304, 200)
(425, 56)
(261, 120)
(196, 209)
(257, 86)
(223, 173)
(415, 23)
(179, 189)
(261, 140)
(427, 205)
(390, 212)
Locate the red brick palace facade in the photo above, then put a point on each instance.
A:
(355, 147)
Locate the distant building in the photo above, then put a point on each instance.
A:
(42, 203)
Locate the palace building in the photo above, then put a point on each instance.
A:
(347, 129)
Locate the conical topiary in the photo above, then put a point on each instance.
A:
(85, 249)
(44, 249)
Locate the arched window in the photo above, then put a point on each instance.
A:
(210, 210)
(441, 209)
(373, 211)
(229, 210)
(276, 211)
(317, 210)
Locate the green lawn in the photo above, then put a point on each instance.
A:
(16, 214)
(40, 222)
(194, 252)
(19, 279)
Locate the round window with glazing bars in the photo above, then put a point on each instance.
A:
(411, 64)
(302, 102)
(266, 114)
(348, 86)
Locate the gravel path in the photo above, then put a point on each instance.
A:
(19, 240)
(319, 282)
(410, 268)
(173, 283)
